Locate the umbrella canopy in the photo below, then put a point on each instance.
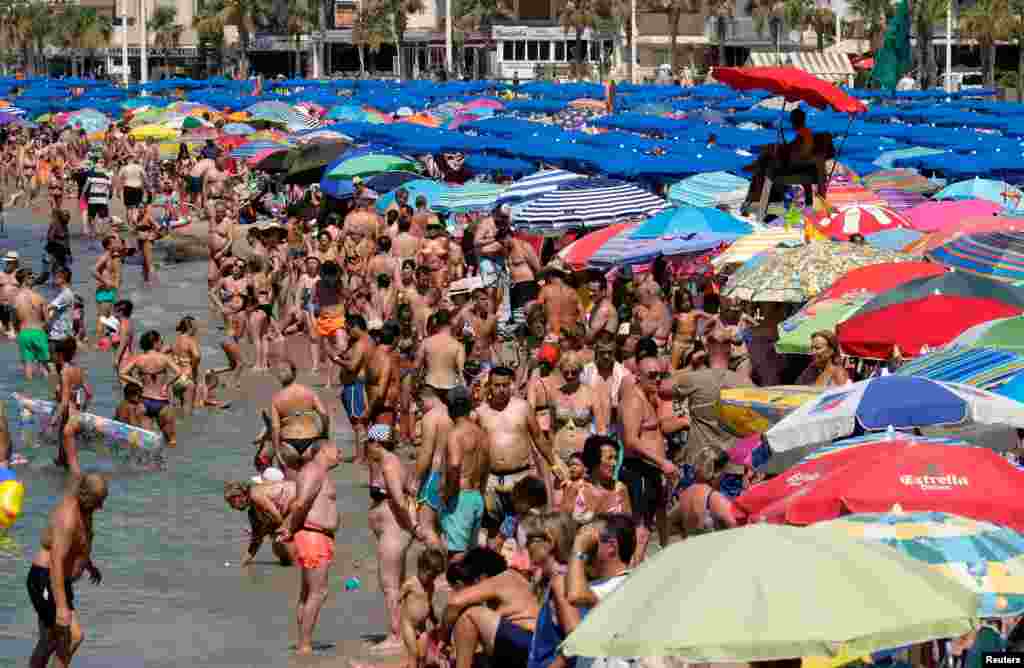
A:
(687, 221)
(154, 131)
(590, 203)
(916, 325)
(579, 252)
(902, 402)
(1004, 333)
(535, 185)
(901, 200)
(985, 558)
(710, 189)
(762, 241)
(794, 84)
(753, 410)
(263, 153)
(873, 474)
(888, 600)
(999, 192)
(372, 163)
(239, 129)
(995, 255)
(844, 299)
(416, 187)
(987, 368)
(862, 219)
(798, 274)
(978, 225)
(841, 195)
(314, 157)
(907, 180)
(277, 161)
(947, 283)
(469, 197)
(943, 215)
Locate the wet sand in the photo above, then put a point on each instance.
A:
(163, 539)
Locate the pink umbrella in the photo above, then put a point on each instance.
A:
(460, 118)
(484, 103)
(934, 216)
(863, 219)
(975, 225)
(901, 200)
(256, 158)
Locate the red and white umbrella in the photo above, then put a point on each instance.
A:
(863, 219)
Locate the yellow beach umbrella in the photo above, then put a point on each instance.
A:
(155, 131)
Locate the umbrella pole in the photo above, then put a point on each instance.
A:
(839, 152)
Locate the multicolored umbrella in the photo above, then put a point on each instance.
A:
(753, 410)
(999, 192)
(239, 129)
(431, 190)
(843, 194)
(469, 197)
(873, 474)
(762, 241)
(901, 200)
(944, 215)
(799, 274)
(710, 189)
(985, 368)
(985, 558)
(1004, 334)
(915, 326)
(372, 163)
(902, 179)
(845, 596)
(579, 252)
(979, 225)
(901, 402)
(862, 219)
(996, 255)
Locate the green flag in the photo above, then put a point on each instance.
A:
(894, 59)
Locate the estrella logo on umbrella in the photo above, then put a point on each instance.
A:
(929, 483)
(830, 402)
(798, 479)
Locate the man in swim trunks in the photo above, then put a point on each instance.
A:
(298, 420)
(30, 308)
(107, 273)
(155, 371)
(8, 289)
(353, 381)
(196, 192)
(65, 554)
(442, 357)
(467, 451)
(383, 384)
(435, 424)
(310, 523)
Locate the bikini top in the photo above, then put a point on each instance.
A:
(572, 418)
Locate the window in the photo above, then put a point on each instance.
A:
(506, 51)
(609, 48)
(545, 51)
(531, 49)
(560, 51)
(520, 50)
(595, 51)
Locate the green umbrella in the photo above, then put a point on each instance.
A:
(191, 122)
(766, 592)
(372, 163)
(309, 161)
(1004, 333)
(795, 332)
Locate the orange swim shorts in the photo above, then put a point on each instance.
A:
(314, 549)
(327, 325)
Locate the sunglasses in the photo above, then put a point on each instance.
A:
(657, 375)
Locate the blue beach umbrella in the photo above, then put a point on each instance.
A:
(687, 221)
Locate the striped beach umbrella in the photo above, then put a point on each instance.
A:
(252, 148)
(999, 192)
(535, 185)
(589, 203)
(987, 368)
(995, 255)
(1004, 333)
(710, 189)
(469, 197)
(745, 248)
(986, 558)
(900, 178)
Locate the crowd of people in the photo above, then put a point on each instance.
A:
(526, 428)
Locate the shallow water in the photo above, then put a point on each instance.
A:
(162, 539)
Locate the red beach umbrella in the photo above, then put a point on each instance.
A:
(877, 278)
(793, 84)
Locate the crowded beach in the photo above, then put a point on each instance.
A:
(595, 358)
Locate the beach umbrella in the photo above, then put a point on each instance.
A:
(793, 84)
(995, 255)
(899, 239)
(799, 274)
(985, 558)
(945, 215)
(841, 195)
(844, 298)
(862, 219)
(946, 283)
(368, 164)
(900, 178)
(313, 158)
(589, 203)
(981, 225)
(239, 129)
(985, 368)
(276, 161)
(533, 186)
(742, 581)
(485, 103)
(901, 200)
(874, 473)
(710, 189)
(579, 252)
(153, 131)
(1002, 333)
(416, 187)
(998, 192)
(253, 148)
(469, 197)
(8, 118)
(346, 112)
(745, 411)
(762, 241)
(262, 154)
(687, 221)
(902, 402)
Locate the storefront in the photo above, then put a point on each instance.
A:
(530, 52)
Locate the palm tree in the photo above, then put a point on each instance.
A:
(237, 13)
(769, 13)
(797, 15)
(209, 29)
(82, 29)
(822, 22)
(988, 21)
(1017, 32)
(163, 25)
(397, 13)
(369, 31)
(15, 28)
(473, 16)
(723, 12)
(873, 15)
(578, 16)
(926, 15)
(40, 18)
(301, 20)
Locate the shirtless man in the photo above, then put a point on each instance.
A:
(423, 299)
(216, 181)
(433, 255)
(353, 380)
(30, 309)
(383, 298)
(651, 317)
(363, 222)
(107, 273)
(603, 315)
(298, 421)
(422, 217)
(441, 357)
(435, 424)
(310, 523)
(219, 240)
(8, 290)
(155, 371)
(383, 384)
(560, 302)
(467, 453)
(196, 187)
(383, 262)
(65, 554)
(686, 323)
(406, 246)
(478, 320)
(514, 436)
(401, 199)
(646, 466)
(523, 269)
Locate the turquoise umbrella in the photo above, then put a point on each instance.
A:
(687, 221)
(1000, 192)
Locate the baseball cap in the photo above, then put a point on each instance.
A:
(11, 256)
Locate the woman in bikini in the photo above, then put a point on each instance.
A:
(702, 508)
(231, 291)
(572, 410)
(267, 504)
(56, 186)
(826, 368)
(600, 492)
(186, 354)
(73, 396)
(261, 317)
(302, 316)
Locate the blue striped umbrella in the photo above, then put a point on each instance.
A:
(535, 185)
(710, 189)
(250, 149)
(589, 203)
(469, 197)
(986, 368)
(239, 129)
(995, 255)
(986, 558)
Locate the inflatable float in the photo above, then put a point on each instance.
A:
(745, 411)
(12, 493)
